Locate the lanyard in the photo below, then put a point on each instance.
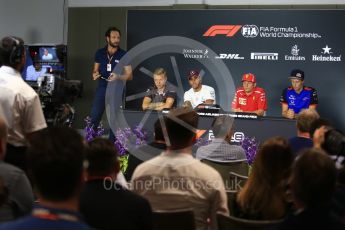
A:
(45, 214)
(109, 58)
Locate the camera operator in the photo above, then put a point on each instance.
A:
(333, 142)
(19, 104)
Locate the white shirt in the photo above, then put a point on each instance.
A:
(47, 57)
(19, 106)
(197, 98)
(32, 74)
(173, 181)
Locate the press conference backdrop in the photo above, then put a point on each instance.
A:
(268, 43)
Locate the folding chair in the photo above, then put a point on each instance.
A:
(173, 219)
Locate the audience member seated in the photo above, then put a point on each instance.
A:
(104, 203)
(338, 199)
(220, 148)
(303, 140)
(55, 161)
(20, 197)
(312, 185)
(146, 152)
(332, 141)
(175, 180)
(334, 145)
(263, 196)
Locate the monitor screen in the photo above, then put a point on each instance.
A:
(48, 54)
(42, 59)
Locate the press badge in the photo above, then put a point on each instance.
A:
(109, 67)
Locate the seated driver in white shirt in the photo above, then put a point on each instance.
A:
(198, 94)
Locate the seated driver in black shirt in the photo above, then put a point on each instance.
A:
(160, 96)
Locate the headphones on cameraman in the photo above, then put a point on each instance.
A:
(17, 51)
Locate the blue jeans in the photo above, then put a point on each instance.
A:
(98, 108)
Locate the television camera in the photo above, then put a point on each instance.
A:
(45, 71)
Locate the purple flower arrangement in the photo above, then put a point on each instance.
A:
(250, 146)
(202, 142)
(127, 137)
(90, 132)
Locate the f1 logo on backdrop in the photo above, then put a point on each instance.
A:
(228, 30)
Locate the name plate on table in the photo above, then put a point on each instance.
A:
(211, 113)
(215, 112)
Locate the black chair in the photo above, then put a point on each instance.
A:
(231, 195)
(225, 167)
(3, 192)
(236, 181)
(231, 223)
(173, 220)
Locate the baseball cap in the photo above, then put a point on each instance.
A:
(297, 74)
(193, 73)
(248, 77)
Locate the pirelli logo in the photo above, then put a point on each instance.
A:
(264, 56)
(227, 30)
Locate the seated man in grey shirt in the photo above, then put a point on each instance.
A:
(220, 148)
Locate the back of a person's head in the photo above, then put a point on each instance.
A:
(222, 126)
(181, 124)
(305, 119)
(313, 178)
(11, 49)
(264, 190)
(159, 136)
(334, 142)
(55, 162)
(273, 161)
(101, 155)
(318, 123)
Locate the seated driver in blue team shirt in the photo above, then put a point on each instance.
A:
(297, 97)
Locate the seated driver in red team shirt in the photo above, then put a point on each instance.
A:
(249, 98)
